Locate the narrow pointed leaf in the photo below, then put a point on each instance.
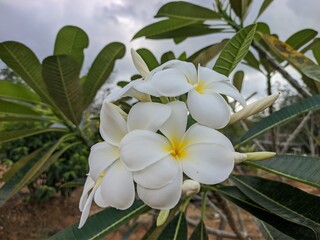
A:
(25, 63)
(280, 117)
(240, 7)
(300, 168)
(298, 60)
(8, 107)
(271, 233)
(287, 202)
(316, 51)
(102, 223)
(205, 55)
(71, 41)
(176, 229)
(186, 10)
(162, 27)
(167, 56)
(200, 232)
(238, 80)
(61, 74)
(301, 37)
(18, 92)
(288, 227)
(235, 50)
(22, 118)
(7, 136)
(148, 58)
(100, 70)
(263, 7)
(252, 61)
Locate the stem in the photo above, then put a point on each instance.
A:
(204, 204)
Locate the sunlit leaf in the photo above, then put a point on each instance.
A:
(235, 50)
(71, 41)
(176, 229)
(102, 223)
(148, 58)
(301, 37)
(300, 168)
(18, 92)
(61, 75)
(186, 10)
(100, 70)
(280, 117)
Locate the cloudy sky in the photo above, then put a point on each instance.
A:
(36, 23)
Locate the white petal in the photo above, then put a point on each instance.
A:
(148, 116)
(208, 75)
(158, 174)
(187, 68)
(147, 86)
(86, 209)
(141, 148)
(138, 62)
(88, 185)
(112, 123)
(171, 83)
(208, 109)
(202, 134)
(162, 198)
(175, 127)
(117, 188)
(207, 163)
(226, 88)
(99, 200)
(102, 155)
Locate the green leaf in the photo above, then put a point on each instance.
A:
(18, 92)
(316, 51)
(75, 183)
(205, 55)
(61, 74)
(263, 7)
(280, 117)
(164, 26)
(235, 50)
(240, 8)
(200, 232)
(25, 63)
(22, 118)
(238, 80)
(102, 223)
(148, 58)
(71, 41)
(7, 136)
(252, 61)
(27, 172)
(299, 168)
(176, 229)
(167, 56)
(301, 37)
(9, 107)
(100, 70)
(271, 233)
(287, 202)
(298, 60)
(288, 227)
(186, 10)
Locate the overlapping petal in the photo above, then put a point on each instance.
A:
(148, 116)
(208, 109)
(99, 200)
(113, 125)
(158, 174)
(88, 185)
(187, 68)
(209, 76)
(141, 148)
(207, 163)
(117, 188)
(101, 156)
(86, 208)
(138, 62)
(162, 198)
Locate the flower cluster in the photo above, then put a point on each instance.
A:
(152, 149)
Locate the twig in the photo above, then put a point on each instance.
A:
(295, 133)
(211, 230)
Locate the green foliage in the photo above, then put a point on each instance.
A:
(176, 229)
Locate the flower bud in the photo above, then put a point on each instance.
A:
(239, 157)
(140, 65)
(190, 187)
(254, 108)
(258, 156)
(162, 217)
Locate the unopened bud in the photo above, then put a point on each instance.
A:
(162, 217)
(190, 187)
(254, 108)
(239, 157)
(138, 62)
(258, 156)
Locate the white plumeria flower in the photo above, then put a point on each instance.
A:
(111, 183)
(158, 162)
(204, 86)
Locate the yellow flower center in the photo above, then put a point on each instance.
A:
(200, 88)
(177, 150)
